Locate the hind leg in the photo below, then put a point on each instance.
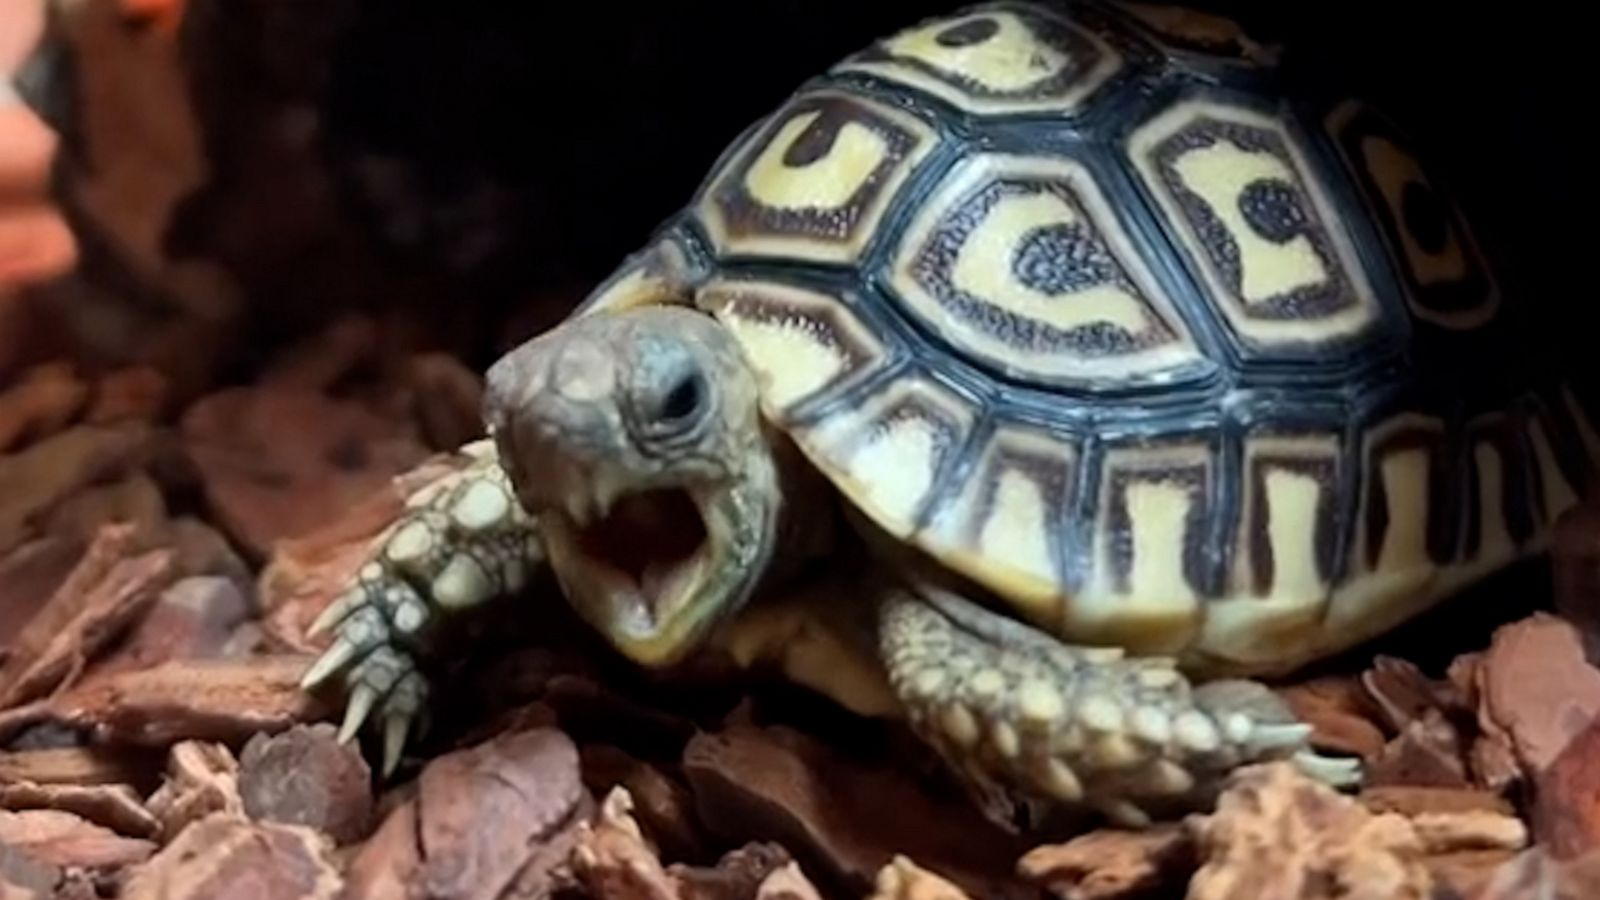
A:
(1032, 722)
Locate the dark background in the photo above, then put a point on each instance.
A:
(599, 119)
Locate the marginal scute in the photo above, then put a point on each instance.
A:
(1257, 223)
(1004, 525)
(888, 454)
(995, 59)
(1184, 29)
(1404, 546)
(814, 182)
(1557, 492)
(1501, 514)
(1444, 275)
(658, 273)
(1285, 538)
(803, 344)
(1021, 263)
(1151, 524)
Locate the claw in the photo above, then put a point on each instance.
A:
(336, 657)
(395, 727)
(1331, 770)
(336, 612)
(362, 698)
(1276, 737)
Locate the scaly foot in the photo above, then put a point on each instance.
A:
(1027, 720)
(462, 541)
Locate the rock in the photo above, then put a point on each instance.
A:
(664, 807)
(202, 781)
(36, 480)
(107, 591)
(278, 463)
(1566, 799)
(42, 402)
(305, 776)
(1428, 752)
(193, 619)
(612, 861)
(134, 500)
(841, 819)
(787, 883)
(1401, 694)
(902, 879)
(1339, 717)
(1458, 832)
(29, 575)
(130, 394)
(62, 839)
(1536, 875)
(114, 806)
(1538, 689)
(1278, 834)
(80, 766)
(210, 700)
(1112, 864)
(483, 820)
(447, 398)
(1412, 801)
(738, 875)
(224, 858)
(202, 550)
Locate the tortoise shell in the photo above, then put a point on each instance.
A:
(1102, 309)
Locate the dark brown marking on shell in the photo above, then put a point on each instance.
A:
(1440, 502)
(1276, 210)
(1326, 534)
(968, 33)
(1191, 478)
(1082, 55)
(1516, 496)
(1059, 261)
(1052, 475)
(744, 215)
(1425, 212)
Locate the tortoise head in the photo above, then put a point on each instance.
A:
(635, 436)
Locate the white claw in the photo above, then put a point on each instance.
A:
(1274, 737)
(395, 727)
(336, 612)
(1339, 773)
(362, 698)
(336, 657)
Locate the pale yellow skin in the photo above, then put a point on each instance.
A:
(1040, 681)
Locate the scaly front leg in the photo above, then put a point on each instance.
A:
(462, 541)
(1024, 717)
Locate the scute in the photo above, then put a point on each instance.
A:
(1257, 225)
(804, 344)
(996, 58)
(813, 183)
(1021, 263)
(1445, 277)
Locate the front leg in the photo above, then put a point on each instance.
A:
(462, 541)
(1026, 718)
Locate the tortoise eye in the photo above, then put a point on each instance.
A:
(684, 400)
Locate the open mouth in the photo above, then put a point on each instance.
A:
(648, 545)
(642, 567)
